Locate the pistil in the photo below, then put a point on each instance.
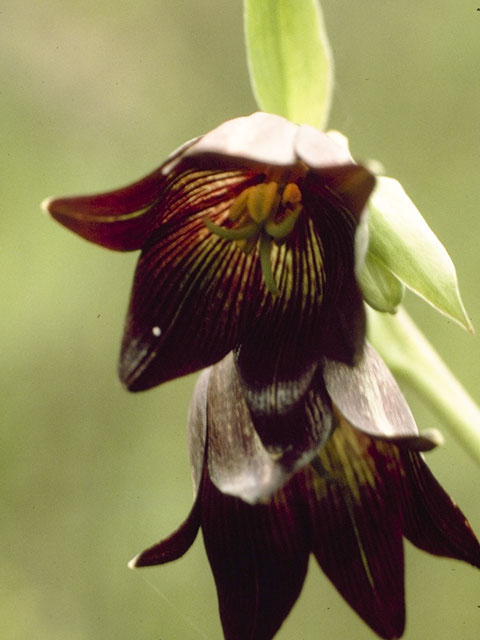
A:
(262, 214)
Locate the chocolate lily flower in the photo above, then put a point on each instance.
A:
(365, 489)
(250, 236)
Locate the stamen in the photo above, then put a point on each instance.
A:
(262, 213)
(280, 230)
(291, 194)
(239, 205)
(263, 201)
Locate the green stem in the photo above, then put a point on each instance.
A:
(410, 356)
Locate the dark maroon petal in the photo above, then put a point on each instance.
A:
(357, 534)
(174, 546)
(433, 522)
(320, 312)
(196, 295)
(120, 219)
(182, 539)
(187, 308)
(343, 323)
(258, 555)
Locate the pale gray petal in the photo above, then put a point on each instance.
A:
(238, 463)
(369, 397)
(197, 427)
(262, 138)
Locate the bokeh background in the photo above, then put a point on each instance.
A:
(94, 94)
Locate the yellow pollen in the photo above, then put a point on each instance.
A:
(262, 214)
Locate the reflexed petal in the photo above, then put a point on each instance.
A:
(182, 539)
(258, 556)
(120, 219)
(357, 534)
(368, 396)
(172, 547)
(433, 522)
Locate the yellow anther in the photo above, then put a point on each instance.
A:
(263, 201)
(239, 205)
(291, 195)
(262, 214)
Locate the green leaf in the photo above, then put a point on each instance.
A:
(412, 358)
(381, 289)
(289, 59)
(402, 240)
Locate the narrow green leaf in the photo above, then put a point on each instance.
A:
(412, 358)
(402, 240)
(289, 59)
(381, 289)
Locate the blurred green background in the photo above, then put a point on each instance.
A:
(95, 94)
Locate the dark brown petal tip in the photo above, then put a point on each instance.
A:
(120, 219)
(428, 440)
(333, 164)
(258, 554)
(369, 398)
(173, 547)
(433, 522)
(354, 185)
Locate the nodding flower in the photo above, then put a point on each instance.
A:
(365, 489)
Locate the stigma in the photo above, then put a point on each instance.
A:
(262, 214)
